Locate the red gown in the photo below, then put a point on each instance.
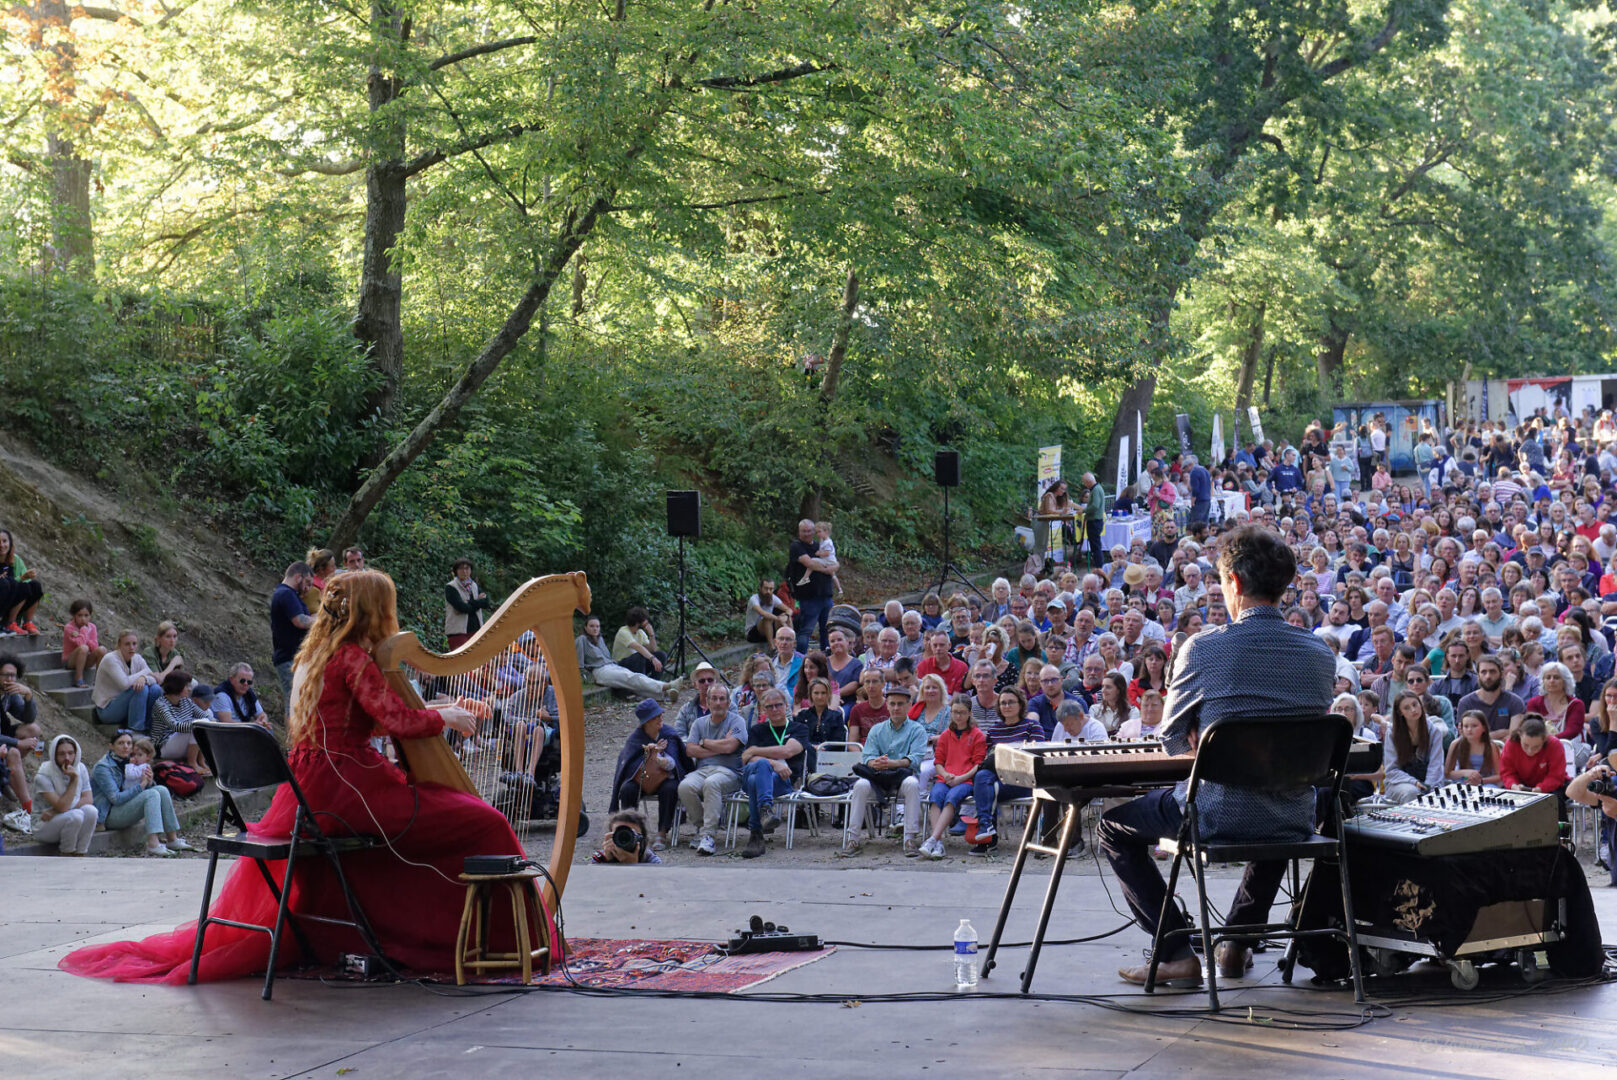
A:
(409, 893)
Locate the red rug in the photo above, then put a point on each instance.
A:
(637, 963)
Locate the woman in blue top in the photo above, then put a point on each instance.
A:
(121, 803)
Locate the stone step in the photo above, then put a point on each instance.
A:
(199, 812)
(33, 658)
(70, 697)
(59, 679)
(85, 712)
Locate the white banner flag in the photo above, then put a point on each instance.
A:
(1139, 448)
(1254, 423)
(1123, 464)
(1216, 451)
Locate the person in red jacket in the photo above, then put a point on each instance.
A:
(1533, 759)
(959, 751)
(943, 663)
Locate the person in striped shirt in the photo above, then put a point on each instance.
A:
(1012, 724)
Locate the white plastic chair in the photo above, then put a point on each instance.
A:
(834, 759)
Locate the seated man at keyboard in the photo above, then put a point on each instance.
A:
(1255, 665)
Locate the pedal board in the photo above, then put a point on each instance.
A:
(762, 937)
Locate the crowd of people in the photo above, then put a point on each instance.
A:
(1469, 610)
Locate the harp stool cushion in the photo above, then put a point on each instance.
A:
(471, 944)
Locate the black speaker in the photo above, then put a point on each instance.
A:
(685, 513)
(946, 467)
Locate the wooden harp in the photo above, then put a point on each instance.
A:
(545, 606)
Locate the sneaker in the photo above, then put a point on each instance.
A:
(985, 845)
(19, 820)
(161, 850)
(936, 851)
(659, 844)
(13, 628)
(704, 846)
(769, 822)
(755, 846)
(850, 849)
(912, 845)
(30, 629)
(1603, 857)
(180, 843)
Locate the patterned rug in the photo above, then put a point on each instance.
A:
(638, 963)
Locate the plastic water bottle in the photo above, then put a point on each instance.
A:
(965, 956)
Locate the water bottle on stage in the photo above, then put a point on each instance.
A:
(965, 956)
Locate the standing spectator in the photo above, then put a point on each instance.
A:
(766, 613)
(120, 803)
(464, 602)
(650, 737)
(81, 643)
(19, 592)
(596, 663)
(1201, 491)
(771, 765)
(163, 657)
(1378, 442)
(635, 646)
(124, 685)
(813, 596)
(235, 701)
(1094, 509)
(66, 810)
(352, 559)
(714, 744)
(323, 563)
(172, 717)
(289, 622)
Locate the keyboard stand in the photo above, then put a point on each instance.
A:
(1074, 800)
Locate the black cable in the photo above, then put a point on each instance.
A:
(1003, 945)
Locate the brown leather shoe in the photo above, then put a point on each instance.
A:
(1234, 961)
(1179, 974)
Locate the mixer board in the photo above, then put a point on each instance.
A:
(1458, 819)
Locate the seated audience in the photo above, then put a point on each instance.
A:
(124, 686)
(64, 810)
(595, 663)
(714, 746)
(652, 752)
(164, 657)
(1473, 758)
(635, 646)
(766, 613)
(771, 766)
(892, 756)
(1412, 754)
(1533, 759)
(959, 752)
(1011, 724)
(172, 717)
(120, 803)
(20, 593)
(81, 647)
(235, 701)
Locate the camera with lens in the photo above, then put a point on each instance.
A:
(1603, 785)
(627, 838)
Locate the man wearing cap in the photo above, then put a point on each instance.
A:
(895, 748)
(942, 662)
(770, 766)
(693, 710)
(714, 743)
(1058, 638)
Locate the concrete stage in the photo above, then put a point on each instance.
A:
(54, 1025)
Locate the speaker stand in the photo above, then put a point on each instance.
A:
(684, 638)
(950, 571)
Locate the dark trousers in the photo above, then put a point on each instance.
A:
(813, 611)
(1095, 531)
(1126, 835)
(641, 666)
(667, 799)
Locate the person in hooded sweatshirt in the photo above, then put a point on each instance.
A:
(64, 806)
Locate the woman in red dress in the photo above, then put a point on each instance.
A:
(408, 888)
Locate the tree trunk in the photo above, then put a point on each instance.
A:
(1268, 375)
(1332, 349)
(833, 372)
(72, 226)
(370, 493)
(379, 320)
(1249, 359)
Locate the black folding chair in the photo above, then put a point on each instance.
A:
(1265, 756)
(245, 757)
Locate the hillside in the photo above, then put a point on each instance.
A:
(137, 564)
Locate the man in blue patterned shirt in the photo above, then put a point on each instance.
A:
(1254, 666)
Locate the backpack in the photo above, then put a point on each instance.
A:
(826, 786)
(182, 780)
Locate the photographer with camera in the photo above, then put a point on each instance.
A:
(1596, 787)
(626, 841)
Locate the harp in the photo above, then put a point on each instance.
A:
(522, 666)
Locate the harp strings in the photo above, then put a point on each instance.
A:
(515, 705)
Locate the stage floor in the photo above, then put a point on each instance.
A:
(55, 1025)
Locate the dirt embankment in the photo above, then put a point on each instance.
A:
(136, 555)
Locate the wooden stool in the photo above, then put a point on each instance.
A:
(471, 944)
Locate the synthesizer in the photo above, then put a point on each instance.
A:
(1458, 819)
(1123, 764)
